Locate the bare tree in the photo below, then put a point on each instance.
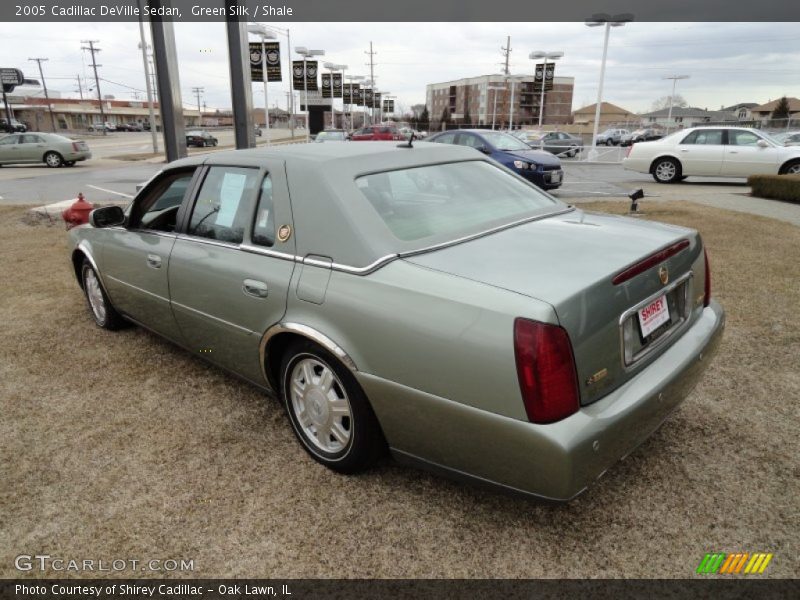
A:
(678, 101)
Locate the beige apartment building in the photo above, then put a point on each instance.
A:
(472, 101)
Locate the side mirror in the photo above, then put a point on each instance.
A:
(107, 216)
(483, 149)
(762, 144)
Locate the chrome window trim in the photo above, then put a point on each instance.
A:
(201, 240)
(679, 326)
(267, 251)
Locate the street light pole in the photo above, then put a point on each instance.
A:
(352, 78)
(545, 55)
(197, 91)
(264, 34)
(148, 87)
(495, 89)
(609, 21)
(672, 97)
(305, 53)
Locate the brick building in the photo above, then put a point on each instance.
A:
(470, 100)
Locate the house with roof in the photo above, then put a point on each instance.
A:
(611, 115)
(687, 117)
(763, 112)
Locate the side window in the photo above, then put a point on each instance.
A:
(159, 208)
(708, 137)
(30, 139)
(264, 227)
(8, 140)
(740, 137)
(446, 138)
(223, 206)
(467, 139)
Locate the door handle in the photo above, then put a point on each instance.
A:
(154, 261)
(257, 289)
(733, 152)
(684, 151)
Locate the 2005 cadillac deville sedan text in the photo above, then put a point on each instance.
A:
(426, 300)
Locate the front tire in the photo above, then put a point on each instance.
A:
(328, 410)
(791, 168)
(53, 160)
(102, 311)
(666, 170)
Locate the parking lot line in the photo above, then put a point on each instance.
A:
(109, 191)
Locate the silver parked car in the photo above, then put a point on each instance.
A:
(418, 298)
(556, 142)
(51, 149)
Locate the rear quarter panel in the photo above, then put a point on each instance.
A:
(444, 335)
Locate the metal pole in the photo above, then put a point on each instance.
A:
(93, 50)
(241, 89)
(291, 90)
(511, 108)
(8, 108)
(153, 132)
(344, 111)
(46, 96)
(264, 75)
(165, 59)
(305, 97)
(672, 99)
(593, 152)
(544, 81)
(494, 108)
(333, 107)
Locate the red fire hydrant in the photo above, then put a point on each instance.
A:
(78, 212)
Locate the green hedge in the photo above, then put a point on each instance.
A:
(778, 187)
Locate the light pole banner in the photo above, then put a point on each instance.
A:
(256, 72)
(347, 98)
(546, 75)
(337, 85)
(310, 75)
(388, 106)
(326, 85)
(273, 61)
(358, 95)
(376, 100)
(368, 97)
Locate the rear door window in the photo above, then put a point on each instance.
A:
(706, 137)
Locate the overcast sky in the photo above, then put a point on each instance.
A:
(727, 63)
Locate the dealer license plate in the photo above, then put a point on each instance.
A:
(555, 176)
(653, 316)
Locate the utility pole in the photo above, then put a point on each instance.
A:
(44, 85)
(197, 91)
(94, 50)
(80, 86)
(371, 75)
(506, 50)
(674, 78)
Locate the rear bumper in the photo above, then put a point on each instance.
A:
(556, 461)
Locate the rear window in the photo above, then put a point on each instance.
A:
(450, 199)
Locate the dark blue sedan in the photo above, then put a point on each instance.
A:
(541, 168)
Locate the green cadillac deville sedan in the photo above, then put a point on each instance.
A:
(422, 300)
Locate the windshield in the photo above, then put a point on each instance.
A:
(453, 199)
(327, 136)
(504, 141)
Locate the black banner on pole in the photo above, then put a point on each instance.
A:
(337, 85)
(547, 75)
(388, 106)
(358, 95)
(347, 97)
(256, 72)
(273, 61)
(310, 75)
(376, 100)
(326, 85)
(368, 97)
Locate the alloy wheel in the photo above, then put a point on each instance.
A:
(95, 295)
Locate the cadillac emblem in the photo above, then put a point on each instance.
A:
(663, 275)
(284, 232)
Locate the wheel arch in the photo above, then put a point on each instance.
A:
(787, 163)
(278, 337)
(661, 156)
(51, 151)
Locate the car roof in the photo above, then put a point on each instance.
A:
(332, 218)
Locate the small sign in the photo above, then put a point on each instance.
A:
(11, 78)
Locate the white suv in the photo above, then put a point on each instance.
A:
(611, 137)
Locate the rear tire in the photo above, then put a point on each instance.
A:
(666, 170)
(328, 410)
(102, 311)
(53, 160)
(791, 168)
(69, 163)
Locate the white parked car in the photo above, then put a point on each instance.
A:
(713, 152)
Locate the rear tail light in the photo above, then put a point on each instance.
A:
(75, 146)
(707, 286)
(629, 150)
(546, 371)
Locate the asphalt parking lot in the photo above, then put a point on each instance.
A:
(122, 445)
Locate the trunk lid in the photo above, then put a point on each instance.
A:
(569, 261)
